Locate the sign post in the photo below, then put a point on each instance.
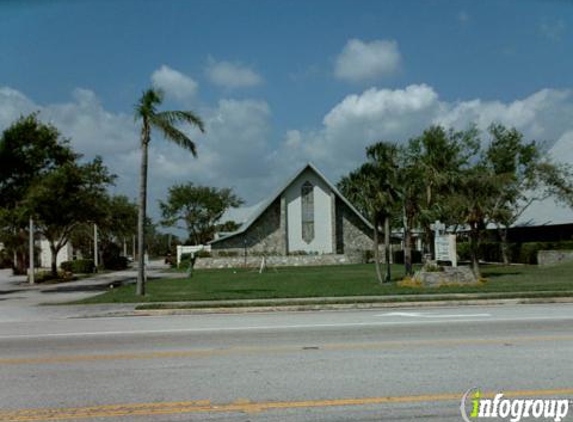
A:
(446, 248)
(444, 244)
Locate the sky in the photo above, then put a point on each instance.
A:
(282, 83)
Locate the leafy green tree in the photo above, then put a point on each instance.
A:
(199, 208)
(525, 174)
(66, 197)
(118, 224)
(165, 122)
(472, 201)
(29, 149)
(160, 243)
(441, 155)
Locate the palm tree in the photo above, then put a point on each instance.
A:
(373, 189)
(164, 121)
(383, 158)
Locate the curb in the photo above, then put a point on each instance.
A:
(332, 307)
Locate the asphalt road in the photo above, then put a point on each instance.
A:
(411, 364)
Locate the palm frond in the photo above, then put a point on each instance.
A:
(172, 133)
(175, 117)
(146, 105)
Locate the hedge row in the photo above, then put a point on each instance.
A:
(523, 253)
(78, 266)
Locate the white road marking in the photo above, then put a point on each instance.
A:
(421, 315)
(279, 327)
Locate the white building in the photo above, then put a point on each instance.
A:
(64, 254)
(307, 215)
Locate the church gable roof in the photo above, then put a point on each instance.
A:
(264, 205)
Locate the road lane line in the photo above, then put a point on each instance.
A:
(241, 406)
(281, 327)
(201, 353)
(422, 315)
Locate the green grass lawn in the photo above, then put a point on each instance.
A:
(343, 280)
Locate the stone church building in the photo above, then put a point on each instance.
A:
(307, 216)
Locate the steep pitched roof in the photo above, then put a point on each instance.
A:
(265, 204)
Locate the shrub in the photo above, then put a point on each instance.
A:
(398, 256)
(463, 250)
(185, 260)
(410, 282)
(115, 263)
(203, 254)
(431, 268)
(5, 259)
(78, 266)
(46, 276)
(522, 253)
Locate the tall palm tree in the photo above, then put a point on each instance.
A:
(164, 121)
(373, 188)
(383, 158)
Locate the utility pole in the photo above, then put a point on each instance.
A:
(96, 260)
(31, 240)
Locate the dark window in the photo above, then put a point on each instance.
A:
(307, 201)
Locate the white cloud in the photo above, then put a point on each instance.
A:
(91, 128)
(463, 17)
(397, 115)
(232, 75)
(363, 61)
(175, 84)
(232, 152)
(553, 30)
(237, 149)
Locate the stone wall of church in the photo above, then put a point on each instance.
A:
(266, 235)
(273, 261)
(353, 236)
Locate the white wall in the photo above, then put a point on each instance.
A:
(64, 254)
(322, 242)
(190, 249)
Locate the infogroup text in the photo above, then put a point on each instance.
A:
(513, 410)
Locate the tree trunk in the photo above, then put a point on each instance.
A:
(502, 231)
(377, 252)
(429, 239)
(54, 266)
(429, 234)
(408, 251)
(140, 288)
(387, 248)
(474, 250)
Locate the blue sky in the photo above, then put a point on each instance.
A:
(280, 83)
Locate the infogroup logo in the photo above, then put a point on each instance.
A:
(474, 407)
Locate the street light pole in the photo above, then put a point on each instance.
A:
(31, 244)
(96, 260)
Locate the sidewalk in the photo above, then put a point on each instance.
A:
(20, 301)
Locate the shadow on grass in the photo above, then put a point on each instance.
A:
(77, 289)
(246, 291)
(499, 273)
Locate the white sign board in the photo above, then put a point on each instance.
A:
(446, 248)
